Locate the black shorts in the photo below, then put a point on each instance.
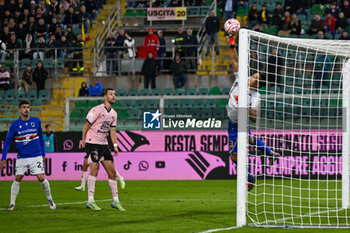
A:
(97, 153)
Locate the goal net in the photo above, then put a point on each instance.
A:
(303, 116)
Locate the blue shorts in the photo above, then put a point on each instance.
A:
(233, 135)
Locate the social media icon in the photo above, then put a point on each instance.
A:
(160, 164)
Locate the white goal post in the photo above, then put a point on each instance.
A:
(304, 116)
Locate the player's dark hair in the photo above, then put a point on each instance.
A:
(262, 80)
(22, 102)
(47, 125)
(105, 91)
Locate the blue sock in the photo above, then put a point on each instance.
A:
(250, 177)
(262, 146)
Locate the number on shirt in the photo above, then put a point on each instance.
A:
(39, 164)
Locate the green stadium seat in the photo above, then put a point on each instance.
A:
(206, 113)
(133, 92)
(130, 125)
(317, 9)
(60, 63)
(48, 63)
(20, 95)
(194, 112)
(123, 114)
(168, 91)
(134, 114)
(117, 104)
(215, 91)
(37, 102)
(273, 30)
(43, 95)
(140, 13)
(152, 104)
(81, 104)
(193, 11)
(198, 103)
(92, 103)
(85, 112)
(173, 103)
(182, 111)
(24, 62)
(221, 103)
(144, 92)
(9, 95)
(139, 104)
(226, 90)
(186, 103)
(128, 104)
(75, 115)
(219, 113)
(121, 92)
(156, 92)
(210, 103)
(32, 95)
(204, 11)
(13, 103)
(203, 91)
(191, 91)
(180, 91)
(1, 94)
(169, 111)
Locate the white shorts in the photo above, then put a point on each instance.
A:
(35, 165)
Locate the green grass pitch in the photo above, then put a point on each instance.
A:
(151, 206)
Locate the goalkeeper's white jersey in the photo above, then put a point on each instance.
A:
(232, 105)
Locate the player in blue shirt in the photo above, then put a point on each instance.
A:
(30, 145)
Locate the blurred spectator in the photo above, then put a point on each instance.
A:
(264, 16)
(316, 25)
(179, 41)
(95, 88)
(149, 71)
(31, 27)
(346, 9)
(84, 91)
(69, 35)
(21, 32)
(28, 47)
(41, 30)
(5, 35)
(320, 35)
(70, 19)
(40, 75)
(229, 8)
(40, 49)
(162, 49)
(151, 39)
(302, 7)
(253, 14)
(91, 8)
(51, 46)
(13, 45)
(53, 25)
(258, 28)
(277, 14)
(64, 45)
(284, 28)
(61, 18)
(78, 45)
(129, 44)
(4, 78)
(255, 65)
(26, 80)
(49, 139)
(333, 10)
(191, 44)
(322, 67)
(275, 64)
(178, 69)
(84, 18)
(295, 26)
(58, 33)
(64, 4)
(119, 42)
(344, 36)
(329, 24)
(341, 24)
(111, 54)
(212, 27)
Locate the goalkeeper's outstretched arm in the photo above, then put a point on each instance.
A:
(234, 58)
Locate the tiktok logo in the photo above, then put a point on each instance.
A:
(127, 165)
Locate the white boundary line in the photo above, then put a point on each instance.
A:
(219, 229)
(105, 200)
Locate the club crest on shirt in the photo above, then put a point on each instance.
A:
(33, 124)
(20, 126)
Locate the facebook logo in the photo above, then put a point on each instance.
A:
(151, 120)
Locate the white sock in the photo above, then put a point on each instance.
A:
(83, 178)
(118, 175)
(14, 191)
(116, 199)
(46, 186)
(91, 199)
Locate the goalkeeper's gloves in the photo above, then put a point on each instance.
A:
(231, 40)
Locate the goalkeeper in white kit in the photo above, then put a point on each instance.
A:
(255, 81)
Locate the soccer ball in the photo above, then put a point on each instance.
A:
(232, 26)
